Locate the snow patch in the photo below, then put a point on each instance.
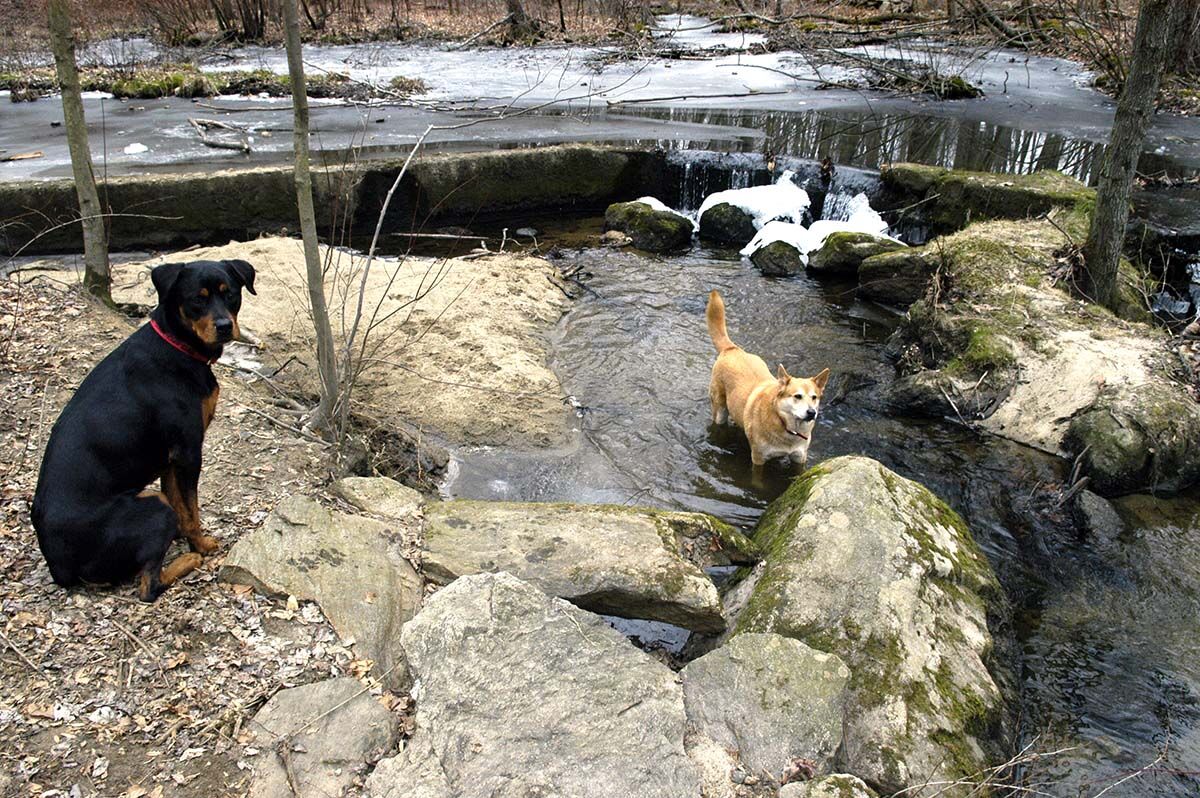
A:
(782, 200)
(658, 205)
(863, 219)
(136, 148)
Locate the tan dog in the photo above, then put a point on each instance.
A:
(777, 413)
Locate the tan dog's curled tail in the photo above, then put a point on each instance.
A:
(715, 314)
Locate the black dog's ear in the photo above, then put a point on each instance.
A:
(243, 272)
(164, 278)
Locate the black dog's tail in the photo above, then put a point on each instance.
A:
(715, 314)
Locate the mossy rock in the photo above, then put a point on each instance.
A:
(649, 229)
(838, 785)
(899, 278)
(778, 259)
(844, 250)
(728, 224)
(1143, 439)
(953, 198)
(862, 563)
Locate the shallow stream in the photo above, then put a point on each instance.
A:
(1106, 630)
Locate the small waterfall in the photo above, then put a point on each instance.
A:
(695, 174)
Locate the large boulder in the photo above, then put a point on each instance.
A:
(728, 224)
(346, 564)
(608, 559)
(779, 259)
(649, 227)
(769, 698)
(1146, 437)
(844, 250)
(318, 738)
(521, 694)
(874, 568)
(949, 199)
(897, 278)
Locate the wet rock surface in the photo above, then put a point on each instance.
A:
(895, 278)
(728, 224)
(872, 567)
(769, 698)
(779, 259)
(318, 739)
(523, 694)
(347, 564)
(649, 229)
(613, 560)
(843, 251)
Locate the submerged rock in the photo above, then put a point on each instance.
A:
(727, 223)
(608, 559)
(1146, 437)
(345, 564)
(897, 278)
(952, 198)
(779, 259)
(874, 568)
(521, 694)
(843, 251)
(769, 698)
(649, 228)
(839, 785)
(330, 733)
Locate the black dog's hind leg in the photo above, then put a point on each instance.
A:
(135, 538)
(180, 483)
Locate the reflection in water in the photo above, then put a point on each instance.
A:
(868, 140)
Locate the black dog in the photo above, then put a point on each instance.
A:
(140, 415)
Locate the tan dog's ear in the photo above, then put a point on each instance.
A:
(821, 379)
(783, 377)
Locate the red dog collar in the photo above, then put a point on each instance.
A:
(180, 345)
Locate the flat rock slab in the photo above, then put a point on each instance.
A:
(330, 732)
(521, 694)
(770, 698)
(380, 496)
(839, 785)
(343, 562)
(612, 560)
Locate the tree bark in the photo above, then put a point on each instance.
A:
(519, 23)
(97, 278)
(1102, 251)
(326, 357)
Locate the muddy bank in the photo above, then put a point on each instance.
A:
(457, 354)
(173, 209)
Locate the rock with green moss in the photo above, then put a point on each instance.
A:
(1003, 344)
(896, 278)
(779, 259)
(769, 698)
(839, 785)
(650, 229)
(631, 562)
(727, 224)
(952, 198)
(1144, 438)
(844, 250)
(874, 568)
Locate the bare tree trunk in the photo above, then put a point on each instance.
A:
(1102, 252)
(952, 11)
(326, 357)
(519, 23)
(96, 276)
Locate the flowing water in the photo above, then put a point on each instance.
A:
(1108, 659)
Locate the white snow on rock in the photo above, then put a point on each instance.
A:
(136, 149)
(781, 200)
(658, 205)
(863, 219)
